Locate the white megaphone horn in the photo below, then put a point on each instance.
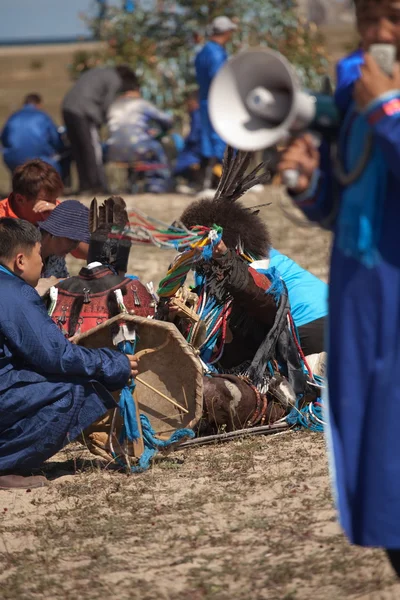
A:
(255, 102)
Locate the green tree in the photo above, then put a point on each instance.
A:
(160, 44)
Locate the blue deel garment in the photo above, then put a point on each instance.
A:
(347, 72)
(50, 389)
(308, 295)
(207, 63)
(191, 153)
(363, 344)
(30, 133)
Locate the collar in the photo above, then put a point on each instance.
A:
(7, 271)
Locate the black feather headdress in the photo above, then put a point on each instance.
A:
(241, 225)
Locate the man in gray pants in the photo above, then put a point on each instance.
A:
(84, 109)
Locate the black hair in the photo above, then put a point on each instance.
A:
(33, 99)
(17, 234)
(241, 225)
(129, 80)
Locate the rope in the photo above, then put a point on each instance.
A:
(130, 429)
(309, 417)
(146, 230)
(201, 249)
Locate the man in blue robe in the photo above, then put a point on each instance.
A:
(30, 133)
(50, 389)
(207, 63)
(360, 201)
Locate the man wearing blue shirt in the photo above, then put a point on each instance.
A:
(30, 133)
(207, 63)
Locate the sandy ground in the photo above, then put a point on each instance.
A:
(248, 520)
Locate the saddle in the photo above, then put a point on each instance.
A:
(87, 300)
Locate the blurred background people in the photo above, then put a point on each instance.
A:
(208, 62)
(134, 124)
(188, 162)
(84, 110)
(30, 133)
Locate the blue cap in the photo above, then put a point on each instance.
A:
(70, 219)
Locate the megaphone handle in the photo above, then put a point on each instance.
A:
(290, 178)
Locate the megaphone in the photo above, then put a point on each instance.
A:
(255, 102)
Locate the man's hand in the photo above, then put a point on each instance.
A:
(44, 284)
(134, 365)
(43, 207)
(374, 82)
(301, 155)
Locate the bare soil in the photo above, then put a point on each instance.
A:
(249, 520)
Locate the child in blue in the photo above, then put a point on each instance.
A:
(364, 306)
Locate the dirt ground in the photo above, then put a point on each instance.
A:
(248, 520)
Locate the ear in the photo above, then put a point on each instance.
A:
(19, 261)
(19, 198)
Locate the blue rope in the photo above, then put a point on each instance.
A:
(130, 428)
(305, 418)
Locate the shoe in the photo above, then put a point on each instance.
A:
(19, 482)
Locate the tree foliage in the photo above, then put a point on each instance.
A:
(161, 44)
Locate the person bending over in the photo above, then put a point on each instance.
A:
(50, 389)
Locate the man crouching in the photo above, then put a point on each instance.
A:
(50, 390)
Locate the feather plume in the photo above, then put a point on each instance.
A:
(93, 216)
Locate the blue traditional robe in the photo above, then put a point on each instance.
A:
(50, 389)
(364, 314)
(208, 62)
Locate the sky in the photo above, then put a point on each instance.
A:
(36, 20)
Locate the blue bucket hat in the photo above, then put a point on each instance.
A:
(70, 219)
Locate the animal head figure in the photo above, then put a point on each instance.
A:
(243, 228)
(103, 248)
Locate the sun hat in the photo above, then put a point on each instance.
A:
(70, 219)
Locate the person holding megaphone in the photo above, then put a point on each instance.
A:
(358, 196)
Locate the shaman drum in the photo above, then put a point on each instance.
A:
(168, 370)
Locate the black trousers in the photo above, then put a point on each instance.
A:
(86, 151)
(394, 557)
(312, 336)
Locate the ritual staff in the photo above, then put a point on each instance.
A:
(359, 197)
(50, 389)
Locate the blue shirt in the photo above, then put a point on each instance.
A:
(29, 133)
(347, 72)
(308, 295)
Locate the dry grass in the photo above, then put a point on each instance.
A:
(249, 520)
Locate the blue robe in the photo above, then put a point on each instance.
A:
(50, 389)
(207, 63)
(30, 133)
(364, 340)
(191, 152)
